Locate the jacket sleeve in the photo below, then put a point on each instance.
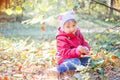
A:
(64, 49)
(84, 43)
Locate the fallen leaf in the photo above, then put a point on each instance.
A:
(18, 64)
(114, 57)
(20, 67)
(23, 55)
(18, 75)
(0, 77)
(53, 61)
(95, 56)
(42, 28)
(5, 77)
(108, 30)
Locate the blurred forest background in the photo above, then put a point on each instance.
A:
(27, 37)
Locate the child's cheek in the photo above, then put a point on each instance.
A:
(75, 30)
(66, 31)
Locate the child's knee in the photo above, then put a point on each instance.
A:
(61, 68)
(76, 61)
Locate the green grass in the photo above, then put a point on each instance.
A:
(88, 21)
(17, 30)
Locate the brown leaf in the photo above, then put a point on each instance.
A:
(5, 77)
(0, 77)
(20, 67)
(42, 28)
(53, 61)
(114, 57)
(1, 49)
(18, 64)
(94, 56)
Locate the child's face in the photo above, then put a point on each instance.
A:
(70, 27)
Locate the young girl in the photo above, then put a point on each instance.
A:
(70, 44)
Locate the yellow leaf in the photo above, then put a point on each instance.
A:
(53, 42)
(69, 4)
(97, 35)
(108, 30)
(91, 52)
(52, 51)
(106, 19)
(41, 16)
(1, 38)
(31, 3)
(62, 9)
(112, 19)
(44, 7)
(18, 10)
(40, 54)
(9, 11)
(103, 37)
(18, 75)
(23, 55)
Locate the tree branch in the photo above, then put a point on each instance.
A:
(106, 5)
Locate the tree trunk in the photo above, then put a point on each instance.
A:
(90, 7)
(7, 4)
(118, 10)
(110, 10)
(57, 4)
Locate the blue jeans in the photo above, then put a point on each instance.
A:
(69, 64)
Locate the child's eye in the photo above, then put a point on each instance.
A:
(73, 25)
(68, 27)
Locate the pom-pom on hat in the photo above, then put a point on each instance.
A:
(63, 17)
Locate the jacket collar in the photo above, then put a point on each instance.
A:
(70, 35)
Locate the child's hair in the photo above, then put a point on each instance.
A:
(73, 20)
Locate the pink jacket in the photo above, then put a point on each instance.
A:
(67, 45)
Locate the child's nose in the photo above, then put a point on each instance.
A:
(71, 29)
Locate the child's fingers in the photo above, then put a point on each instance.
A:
(85, 52)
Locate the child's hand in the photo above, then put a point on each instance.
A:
(86, 51)
(83, 50)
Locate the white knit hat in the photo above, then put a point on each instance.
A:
(63, 17)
